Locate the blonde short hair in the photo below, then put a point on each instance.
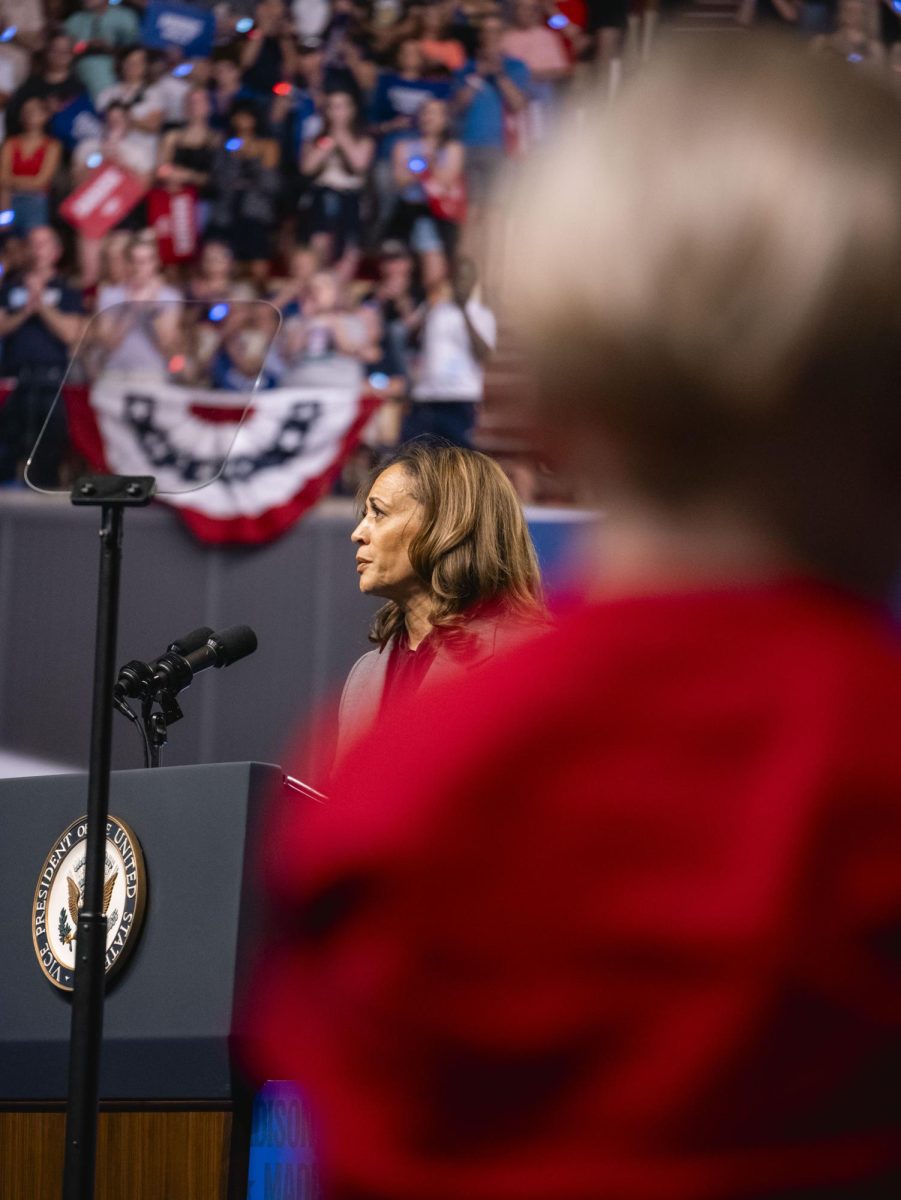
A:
(713, 272)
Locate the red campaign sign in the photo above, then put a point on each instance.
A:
(173, 218)
(102, 201)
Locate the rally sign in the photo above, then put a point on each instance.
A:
(287, 452)
(103, 200)
(184, 26)
(173, 218)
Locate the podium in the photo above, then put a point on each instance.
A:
(175, 1116)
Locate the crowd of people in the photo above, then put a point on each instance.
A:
(334, 157)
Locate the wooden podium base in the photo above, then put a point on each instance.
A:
(163, 1153)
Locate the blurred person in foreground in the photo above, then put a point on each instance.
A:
(443, 540)
(619, 917)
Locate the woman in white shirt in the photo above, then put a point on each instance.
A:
(458, 337)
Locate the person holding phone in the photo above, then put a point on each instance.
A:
(429, 173)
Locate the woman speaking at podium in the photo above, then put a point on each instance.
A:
(443, 540)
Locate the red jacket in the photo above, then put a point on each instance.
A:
(621, 920)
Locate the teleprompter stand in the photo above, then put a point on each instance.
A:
(112, 494)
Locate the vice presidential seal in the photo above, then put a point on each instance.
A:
(60, 893)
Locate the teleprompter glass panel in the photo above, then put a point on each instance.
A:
(153, 387)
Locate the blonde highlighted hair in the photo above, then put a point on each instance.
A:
(473, 549)
(713, 263)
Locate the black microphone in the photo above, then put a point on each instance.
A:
(191, 641)
(174, 671)
(136, 678)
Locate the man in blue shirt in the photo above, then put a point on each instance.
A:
(40, 323)
(490, 88)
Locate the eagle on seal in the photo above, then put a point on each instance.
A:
(75, 900)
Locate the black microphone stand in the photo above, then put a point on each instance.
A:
(112, 494)
(156, 724)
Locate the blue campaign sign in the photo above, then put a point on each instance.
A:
(192, 30)
(282, 1158)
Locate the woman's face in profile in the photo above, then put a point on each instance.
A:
(391, 519)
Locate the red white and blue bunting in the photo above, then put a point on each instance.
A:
(284, 457)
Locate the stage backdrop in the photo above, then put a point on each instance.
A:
(299, 593)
